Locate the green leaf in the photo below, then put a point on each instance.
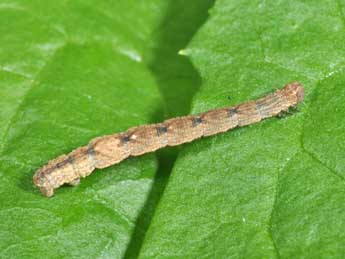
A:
(74, 70)
(274, 189)
(71, 71)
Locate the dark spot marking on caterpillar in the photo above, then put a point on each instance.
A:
(50, 170)
(196, 121)
(90, 151)
(62, 163)
(232, 111)
(91, 154)
(161, 130)
(125, 139)
(70, 159)
(58, 165)
(259, 106)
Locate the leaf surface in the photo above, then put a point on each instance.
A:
(71, 71)
(274, 189)
(74, 70)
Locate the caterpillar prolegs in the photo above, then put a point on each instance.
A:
(108, 150)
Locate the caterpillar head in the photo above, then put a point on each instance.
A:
(41, 180)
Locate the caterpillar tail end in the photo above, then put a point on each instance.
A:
(298, 89)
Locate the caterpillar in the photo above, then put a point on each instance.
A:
(108, 150)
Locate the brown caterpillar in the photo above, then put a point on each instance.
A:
(108, 150)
